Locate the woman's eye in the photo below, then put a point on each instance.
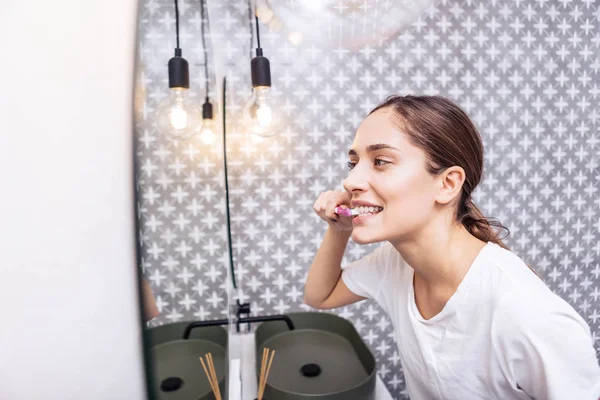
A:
(379, 162)
(351, 164)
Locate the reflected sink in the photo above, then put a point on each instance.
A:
(176, 367)
(323, 358)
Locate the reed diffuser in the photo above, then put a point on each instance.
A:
(267, 361)
(211, 374)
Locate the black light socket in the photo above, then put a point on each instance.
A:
(260, 70)
(207, 110)
(179, 71)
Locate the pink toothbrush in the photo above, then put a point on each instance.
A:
(346, 212)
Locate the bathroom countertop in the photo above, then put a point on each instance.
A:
(241, 347)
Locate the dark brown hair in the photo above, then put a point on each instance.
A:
(444, 131)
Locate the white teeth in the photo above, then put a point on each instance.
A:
(369, 210)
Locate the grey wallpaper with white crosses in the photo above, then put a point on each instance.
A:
(527, 72)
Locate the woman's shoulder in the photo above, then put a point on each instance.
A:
(509, 272)
(524, 312)
(539, 339)
(521, 298)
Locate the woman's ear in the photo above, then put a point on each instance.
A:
(450, 184)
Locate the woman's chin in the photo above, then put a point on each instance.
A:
(363, 238)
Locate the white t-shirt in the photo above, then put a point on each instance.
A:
(503, 335)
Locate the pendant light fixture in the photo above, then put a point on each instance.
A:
(178, 116)
(262, 115)
(208, 123)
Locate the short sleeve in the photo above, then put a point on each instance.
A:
(364, 276)
(547, 349)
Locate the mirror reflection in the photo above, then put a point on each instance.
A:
(182, 235)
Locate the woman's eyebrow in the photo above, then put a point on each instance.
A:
(373, 147)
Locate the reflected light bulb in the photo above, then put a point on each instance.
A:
(208, 132)
(178, 117)
(207, 135)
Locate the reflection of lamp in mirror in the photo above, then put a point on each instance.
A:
(262, 115)
(208, 131)
(178, 117)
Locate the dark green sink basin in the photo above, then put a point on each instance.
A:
(176, 367)
(323, 358)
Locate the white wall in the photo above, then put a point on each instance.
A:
(70, 327)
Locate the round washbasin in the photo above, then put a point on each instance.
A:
(323, 358)
(177, 371)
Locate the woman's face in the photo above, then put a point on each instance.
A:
(388, 174)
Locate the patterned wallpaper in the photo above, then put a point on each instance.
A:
(527, 72)
(180, 184)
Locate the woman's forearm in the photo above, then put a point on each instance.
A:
(325, 270)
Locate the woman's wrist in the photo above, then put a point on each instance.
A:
(337, 233)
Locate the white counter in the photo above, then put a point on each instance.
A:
(242, 356)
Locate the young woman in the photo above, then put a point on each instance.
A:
(472, 320)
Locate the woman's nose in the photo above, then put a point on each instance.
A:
(356, 181)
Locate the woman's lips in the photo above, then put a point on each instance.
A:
(362, 218)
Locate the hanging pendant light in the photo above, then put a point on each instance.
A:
(208, 123)
(262, 114)
(178, 117)
(208, 132)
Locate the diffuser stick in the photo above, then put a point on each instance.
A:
(214, 375)
(212, 387)
(264, 372)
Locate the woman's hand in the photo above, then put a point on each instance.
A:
(325, 208)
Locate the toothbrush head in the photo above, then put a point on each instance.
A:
(346, 212)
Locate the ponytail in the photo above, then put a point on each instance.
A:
(481, 227)
(478, 225)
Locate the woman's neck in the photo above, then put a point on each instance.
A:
(440, 260)
(440, 257)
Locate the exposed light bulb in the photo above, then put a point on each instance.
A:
(261, 114)
(207, 134)
(264, 115)
(178, 117)
(209, 127)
